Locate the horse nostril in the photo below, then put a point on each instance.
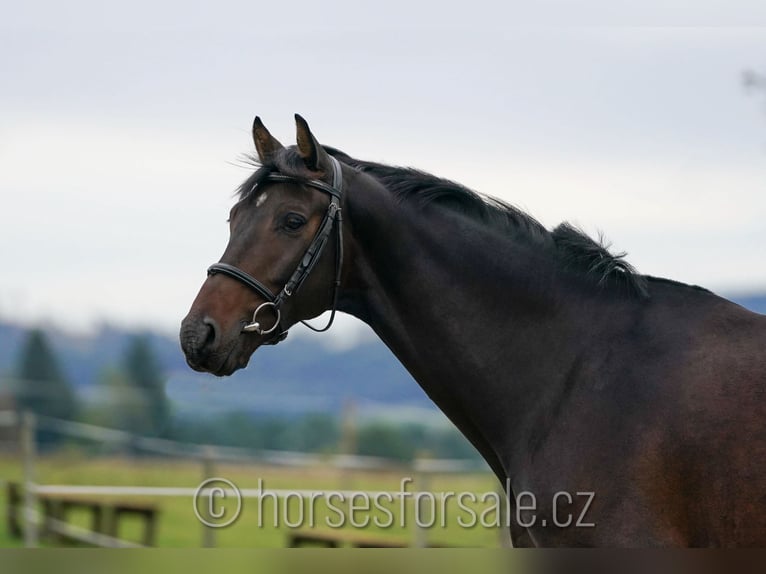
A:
(212, 332)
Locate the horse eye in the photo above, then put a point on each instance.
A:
(294, 222)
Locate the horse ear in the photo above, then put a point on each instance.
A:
(265, 144)
(314, 156)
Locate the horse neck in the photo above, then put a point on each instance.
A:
(478, 318)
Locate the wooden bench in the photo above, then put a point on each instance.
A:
(340, 539)
(15, 502)
(105, 515)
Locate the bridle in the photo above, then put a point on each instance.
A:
(306, 264)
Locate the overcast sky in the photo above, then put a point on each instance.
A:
(121, 128)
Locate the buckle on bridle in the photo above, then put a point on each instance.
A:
(255, 327)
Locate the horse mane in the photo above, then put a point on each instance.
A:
(579, 251)
(575, 249)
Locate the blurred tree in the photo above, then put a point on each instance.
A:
(42, 387)
(318, 433)
(125, 407)
(384, 440)
(450, 443)
(754, 82)
(147, 383)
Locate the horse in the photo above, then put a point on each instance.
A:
(621, 410)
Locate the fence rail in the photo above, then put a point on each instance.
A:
(220, 453)
(207, 455)
(81, 534)
(181, 491)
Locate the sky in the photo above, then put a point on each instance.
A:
(121, 129)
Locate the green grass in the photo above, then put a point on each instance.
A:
(179, 527)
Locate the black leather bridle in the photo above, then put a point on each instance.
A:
(306, 264)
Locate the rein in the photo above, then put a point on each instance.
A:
(306, 264)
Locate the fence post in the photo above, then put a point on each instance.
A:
(504, 532)
(208, 471)
(28, 453)
(348, 443)
(422, 484)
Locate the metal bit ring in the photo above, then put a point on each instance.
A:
(255, 327)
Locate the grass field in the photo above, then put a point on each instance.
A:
(179, 527)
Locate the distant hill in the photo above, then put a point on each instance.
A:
(297, 376)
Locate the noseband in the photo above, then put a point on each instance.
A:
(306, 264)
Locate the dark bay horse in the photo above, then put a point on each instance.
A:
(631, 405)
